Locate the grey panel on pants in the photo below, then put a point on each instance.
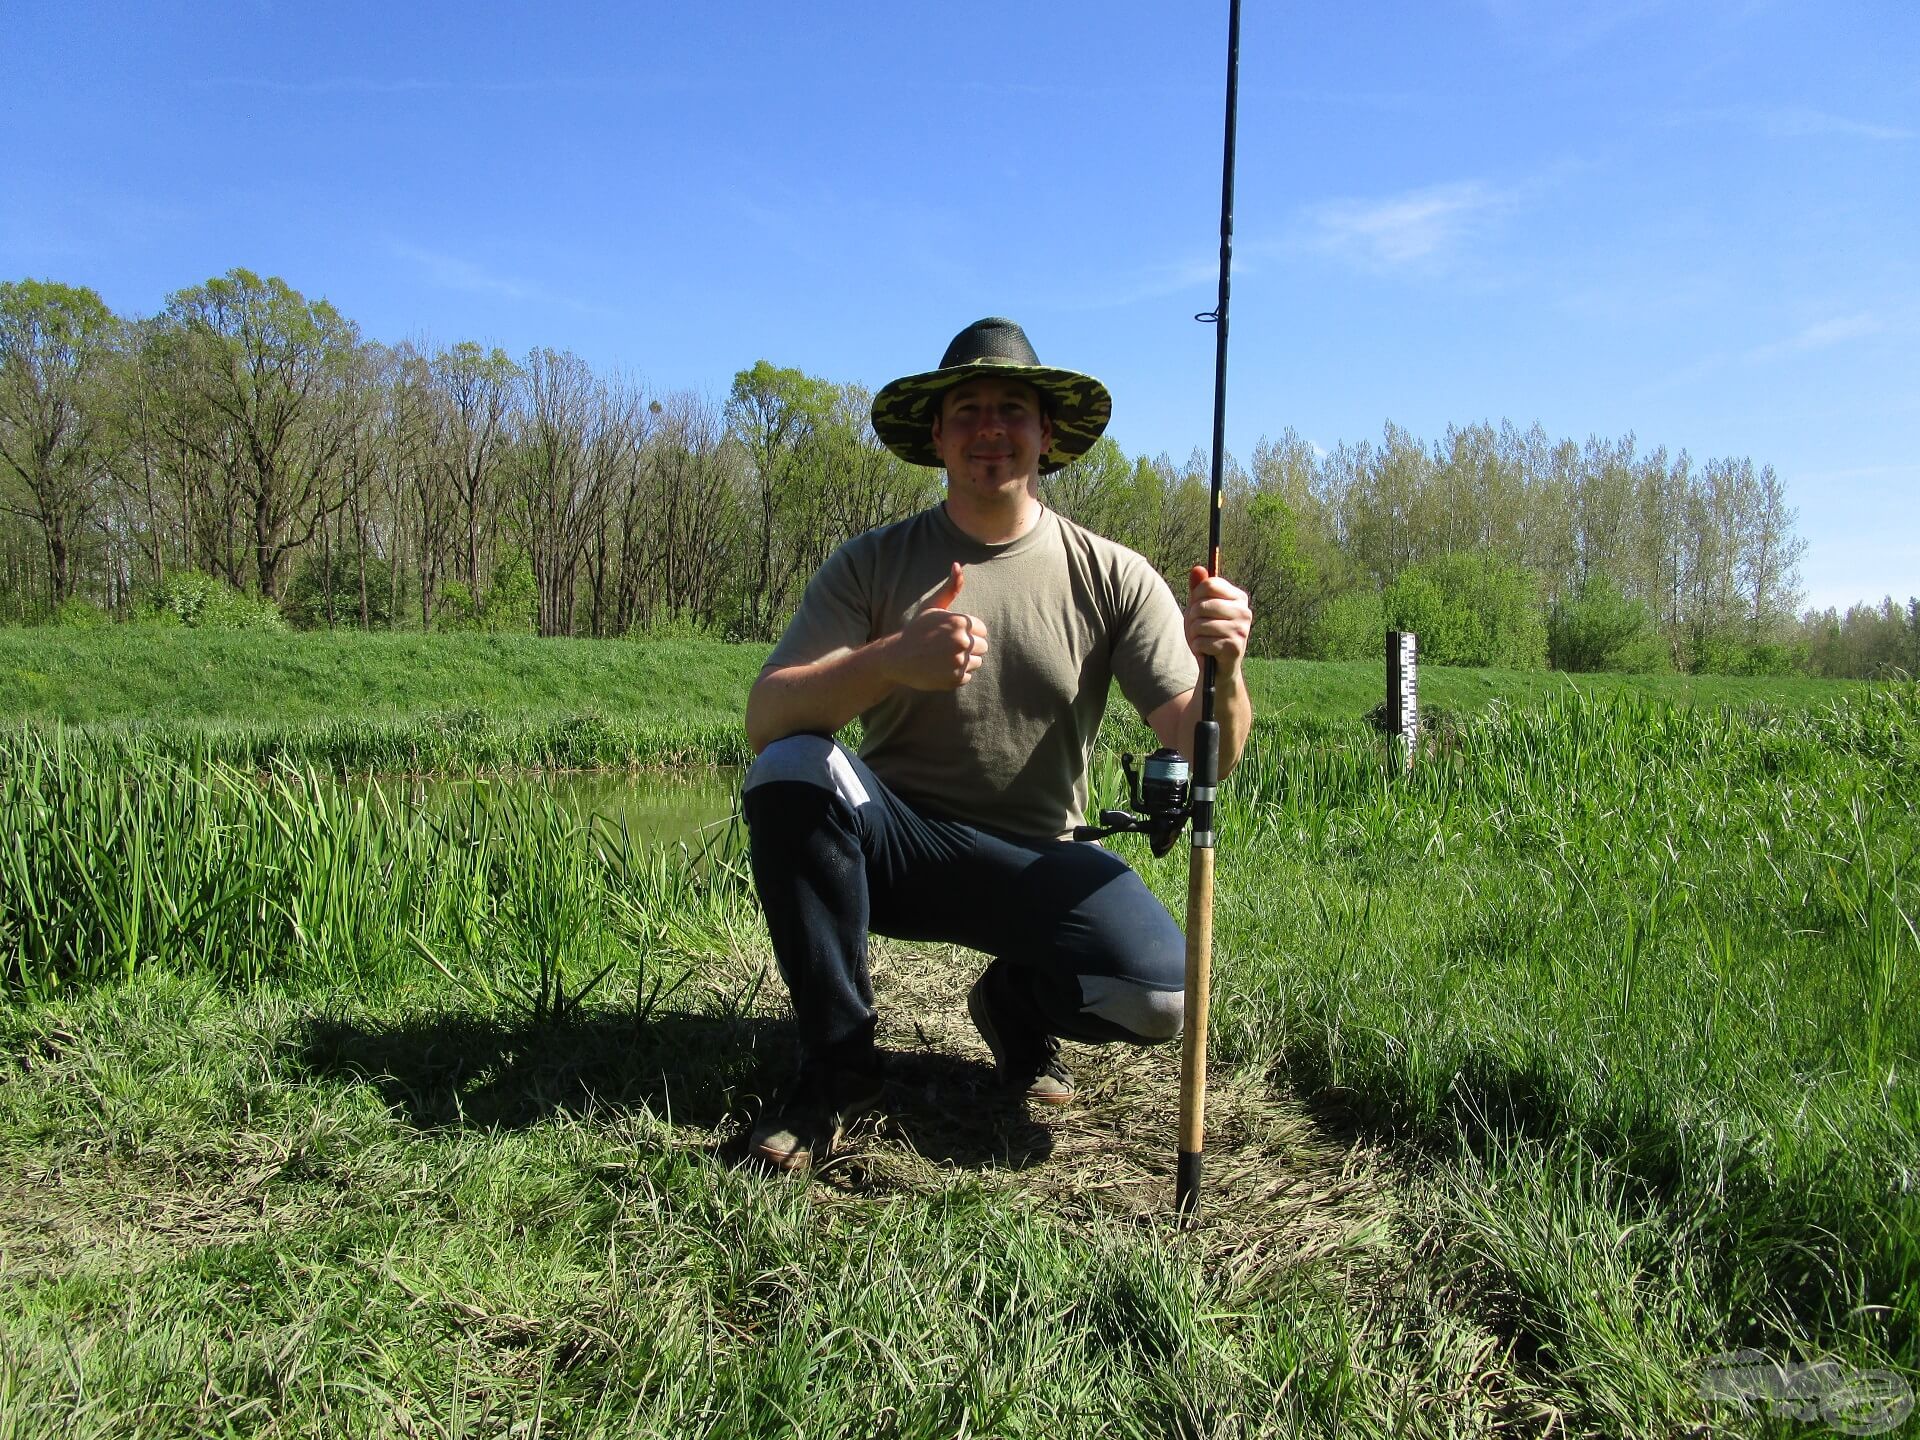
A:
(1150, 1014)
(810, 760)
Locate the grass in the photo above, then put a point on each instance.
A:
(1579, 1055)
(349, 703)
(143, 674)
(221, 1219)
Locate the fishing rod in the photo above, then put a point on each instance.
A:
(1206, 735)
(1167, 791)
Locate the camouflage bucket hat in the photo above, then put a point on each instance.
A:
(1080, 406)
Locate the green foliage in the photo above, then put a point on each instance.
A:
(1270, 564)
(1471, 609)
(511, 605)
(39, 314)
(56, 347)
(305, 603)
(1352, 626)
(1599, 628)
(1869, 641)
(79, 613)
(202, 602)
(454, 608)
(678, 625)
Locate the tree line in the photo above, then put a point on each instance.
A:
(251, 439)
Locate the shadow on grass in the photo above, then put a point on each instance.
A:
(708, 1076)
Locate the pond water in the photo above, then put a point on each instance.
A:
(658, 807)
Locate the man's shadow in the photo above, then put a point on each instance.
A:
(711, 1074)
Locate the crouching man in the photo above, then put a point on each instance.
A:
(976, 642)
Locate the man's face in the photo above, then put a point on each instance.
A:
(991, 434)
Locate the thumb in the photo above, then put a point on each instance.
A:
(1197, 577)
(944, 597)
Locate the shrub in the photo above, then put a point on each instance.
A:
(201, 602)
(1350, 627)
(305, 603)
(80, 613)
(510, 606)
(1596, 627)
(1470, 609)
(677, 625)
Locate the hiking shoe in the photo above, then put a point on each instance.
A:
(1025, 1057)
(810, 1117)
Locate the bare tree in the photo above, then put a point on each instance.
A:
(476, 388)
(688, 552)
(557, 477)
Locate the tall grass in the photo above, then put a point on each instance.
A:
(114, 858)
(1684, 936)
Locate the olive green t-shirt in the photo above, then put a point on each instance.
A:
(1066, 613)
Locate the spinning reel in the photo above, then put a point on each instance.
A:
(1161, 795)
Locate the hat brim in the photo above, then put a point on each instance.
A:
(1080, 406)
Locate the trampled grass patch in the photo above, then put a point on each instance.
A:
(222, 1220)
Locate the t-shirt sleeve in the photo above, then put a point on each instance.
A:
(1151, 660)
(834, 617)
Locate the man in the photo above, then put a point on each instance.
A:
(976, 642)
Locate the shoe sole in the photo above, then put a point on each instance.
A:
(789, 1162)
(977, 1012)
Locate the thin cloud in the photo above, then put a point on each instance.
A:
(1820, 335)
(1554, 32)
(1857, 472)
(407, 85)
(453, 272)
(1795, 122)
(1806, 121)
(450, 272)
(1152, 282)
(1419, 228)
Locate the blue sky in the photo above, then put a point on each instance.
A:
(1697, 221)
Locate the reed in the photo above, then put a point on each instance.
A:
(1683, 936)
(117, 858)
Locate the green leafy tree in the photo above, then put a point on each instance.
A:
(1263, 555)
(775, 412)
(269, 368)
(1092, 489)
(56, 343)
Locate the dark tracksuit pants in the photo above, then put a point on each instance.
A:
(836, 856)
